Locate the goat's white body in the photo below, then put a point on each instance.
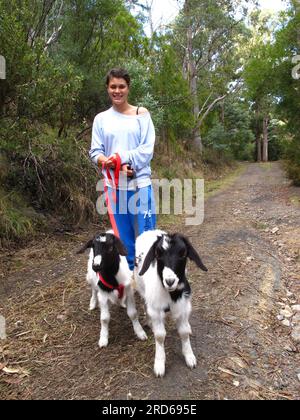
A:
(157, 299)
(101, 298)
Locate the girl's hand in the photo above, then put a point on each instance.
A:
(126, 168)
(109, 163)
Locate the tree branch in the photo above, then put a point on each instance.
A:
(53, 38)
(209, 108)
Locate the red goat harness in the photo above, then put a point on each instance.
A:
(120, 288)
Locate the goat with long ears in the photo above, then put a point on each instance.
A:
(161, 280)
(109, 276)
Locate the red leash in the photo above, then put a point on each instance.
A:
(119, 288)
(115, 184)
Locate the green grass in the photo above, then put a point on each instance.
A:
(17, 220)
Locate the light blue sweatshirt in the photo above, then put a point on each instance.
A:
(131, 136)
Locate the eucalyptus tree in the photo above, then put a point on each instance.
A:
(207, 34)
(97, 36)
(268, 74)
(287, 84)
(260, 78)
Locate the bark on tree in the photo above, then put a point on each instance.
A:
(265, 145)
(258, 135)
(191, 74)
(258, 148)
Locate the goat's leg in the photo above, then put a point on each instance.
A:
(104, 319)
(133, 315)
(148, 320)
(94, 300)
(159, 331)
(184, 330)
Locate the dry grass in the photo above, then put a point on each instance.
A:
(51, 332)
(52, 352)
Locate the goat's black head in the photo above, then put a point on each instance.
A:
(171, 253)
(107, 249)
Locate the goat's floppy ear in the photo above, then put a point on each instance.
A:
(193, 254)
(120, 246)
(89, 244)
(149, 257)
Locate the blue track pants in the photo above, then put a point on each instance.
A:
(132, 214)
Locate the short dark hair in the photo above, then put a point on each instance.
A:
(118, 73)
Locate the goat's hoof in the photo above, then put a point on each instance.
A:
(103, 342)
(142, 335)
(159, 369)
(191, 361)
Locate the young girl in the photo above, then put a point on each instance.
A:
(123, 140)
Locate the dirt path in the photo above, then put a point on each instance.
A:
(250, 243)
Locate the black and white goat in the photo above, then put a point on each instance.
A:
(109, 276)
(160, 274)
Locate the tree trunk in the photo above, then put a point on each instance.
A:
(191, 74)
(258, 148)
(265, 145)
(258, 134)
(197, 140)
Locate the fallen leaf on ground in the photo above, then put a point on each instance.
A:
(13, 371)
(229, 372)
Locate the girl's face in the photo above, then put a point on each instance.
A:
(118, 91)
